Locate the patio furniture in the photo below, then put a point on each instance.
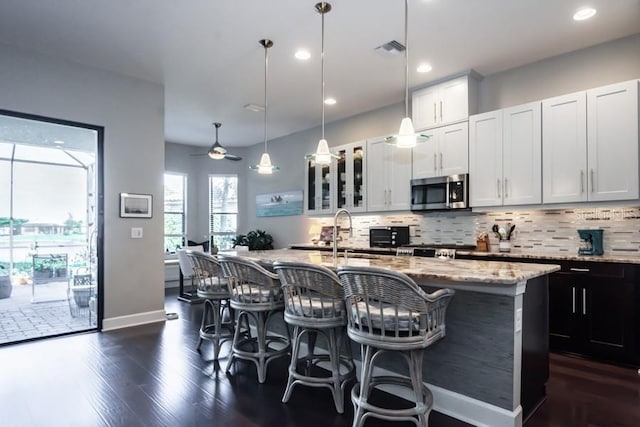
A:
(80, 290)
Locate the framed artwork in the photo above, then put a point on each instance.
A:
(279, 204)
(136, 205)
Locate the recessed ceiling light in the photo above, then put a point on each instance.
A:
(303, 54)
(584, 13)
(58, 142)
(424, 68)
(330, 101)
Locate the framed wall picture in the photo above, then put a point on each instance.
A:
(136, 205)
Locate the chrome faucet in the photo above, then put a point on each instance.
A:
(335, 230)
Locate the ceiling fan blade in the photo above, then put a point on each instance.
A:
(232, 157)
(199, 155)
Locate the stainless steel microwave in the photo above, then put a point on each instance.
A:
(440, 193)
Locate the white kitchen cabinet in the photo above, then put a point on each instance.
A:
(612, 142)
(444, 103)
(505, 157)
(319, 189)
(564, 148)
(445, 153)
(388, 177)
(485, 159)
(350, 177)
(590, 145)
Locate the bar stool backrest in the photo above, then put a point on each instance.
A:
(250, 284)
(311, 292)
(210, 280)
(185, 263)
(388, 308)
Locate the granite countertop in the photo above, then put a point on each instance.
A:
(469, 271)
(616, 258)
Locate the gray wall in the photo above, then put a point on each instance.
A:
(132, 113)
(600, 65)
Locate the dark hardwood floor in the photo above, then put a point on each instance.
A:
(152, 376)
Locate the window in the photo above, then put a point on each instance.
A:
(175, 221)
(223, 210)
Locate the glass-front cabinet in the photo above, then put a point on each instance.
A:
(318, 194)
(350, 177)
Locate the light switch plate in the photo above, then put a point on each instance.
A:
(136, 232)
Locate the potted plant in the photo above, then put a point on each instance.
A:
(5, 282)
(240, 243)
(259, 240)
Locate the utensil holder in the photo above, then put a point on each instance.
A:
(504, 245)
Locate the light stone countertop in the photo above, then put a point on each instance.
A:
(420, 269)
(615, 258)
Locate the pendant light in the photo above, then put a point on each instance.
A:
(322, 155)
(265, 167)
(406, 137)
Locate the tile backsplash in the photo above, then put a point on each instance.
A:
(541, 231)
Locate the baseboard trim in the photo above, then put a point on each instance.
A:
(459, 406)
(137, 319)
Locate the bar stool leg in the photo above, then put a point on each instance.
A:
(295, 351)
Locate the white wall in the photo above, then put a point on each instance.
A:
(132, 114)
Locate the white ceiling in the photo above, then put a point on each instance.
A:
(207, 56)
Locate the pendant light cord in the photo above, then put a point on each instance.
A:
(406, 58)
(322, 70)
(266, 68)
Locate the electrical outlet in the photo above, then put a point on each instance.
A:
(518, 320)
(136, 232)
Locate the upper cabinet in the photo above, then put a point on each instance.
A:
(446, 152)
(350, 177)
(444, 103)
(590, 145)
(318, 194)
(505, 157)
(388, 177)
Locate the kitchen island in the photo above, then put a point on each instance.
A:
(493, 361)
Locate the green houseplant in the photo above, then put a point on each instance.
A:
(255, 240)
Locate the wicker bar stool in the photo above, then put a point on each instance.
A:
(255, 295)
(388, 312)
(314, 304)
(213, 288)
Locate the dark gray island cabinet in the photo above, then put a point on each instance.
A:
(492, 366)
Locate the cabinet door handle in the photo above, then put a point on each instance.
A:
(584, 302)
(389, 197)
(573, 299)
(581, 181)
(506, 187)
(435, 110)
(580, 270)
(435, 162)
(498, 187)
(441, 161)
(440, 110)
(592, 181)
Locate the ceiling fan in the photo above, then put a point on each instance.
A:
(217, 151)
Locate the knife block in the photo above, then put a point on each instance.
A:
(482, 245)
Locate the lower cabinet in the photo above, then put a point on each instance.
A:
(592, 311)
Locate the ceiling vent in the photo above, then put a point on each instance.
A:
(253, 107)
(391, 48)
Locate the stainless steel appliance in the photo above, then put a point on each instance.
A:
(441, 193)
(388, 236)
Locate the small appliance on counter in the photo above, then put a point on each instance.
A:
(590, 242)
(388, 236)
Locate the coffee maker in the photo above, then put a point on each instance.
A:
(590, 242)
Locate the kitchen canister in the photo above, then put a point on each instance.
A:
(504, 245)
